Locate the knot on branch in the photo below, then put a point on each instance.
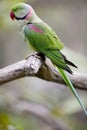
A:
(32, 65)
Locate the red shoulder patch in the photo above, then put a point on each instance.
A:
(35, 28)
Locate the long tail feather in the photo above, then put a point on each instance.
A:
(68, 82)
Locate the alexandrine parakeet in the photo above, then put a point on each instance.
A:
(43, 40)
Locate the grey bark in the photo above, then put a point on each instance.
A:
(35, 66)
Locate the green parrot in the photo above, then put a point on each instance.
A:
(43, 40)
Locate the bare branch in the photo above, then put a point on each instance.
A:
(34, 66)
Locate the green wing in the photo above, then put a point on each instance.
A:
(42, 36)
(43, 39)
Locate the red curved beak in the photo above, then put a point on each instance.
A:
(12, 15)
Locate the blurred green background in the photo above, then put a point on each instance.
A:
(31, 103)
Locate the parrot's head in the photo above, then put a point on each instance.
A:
(22, 11)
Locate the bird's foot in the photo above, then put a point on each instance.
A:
(37, 55)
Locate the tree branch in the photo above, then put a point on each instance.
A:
(35, 66)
